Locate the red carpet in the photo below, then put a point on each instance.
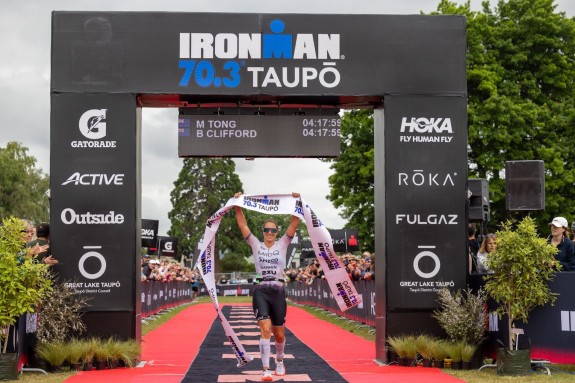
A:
(352, 356)
(170, 349)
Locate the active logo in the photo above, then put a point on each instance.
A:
(198, 51)
(422, 129)
(92, 125)
(95, 179)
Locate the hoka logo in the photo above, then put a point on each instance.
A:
(426, 125)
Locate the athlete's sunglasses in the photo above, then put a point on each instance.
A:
(270, 230)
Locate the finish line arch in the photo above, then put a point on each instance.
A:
(106, 66)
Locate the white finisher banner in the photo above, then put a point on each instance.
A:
(341, 286)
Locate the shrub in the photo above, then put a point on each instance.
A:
(424, 345)
(60, 315)
(462, 315)
(398, 345)
(23, 280)
(467, 351)
(454, 351)
(522, 264)
(131, 352)
(411, 346)
(75, 351)
(439, 350)
(54, 353)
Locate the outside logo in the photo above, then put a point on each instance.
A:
(70, 217)
(93, 124)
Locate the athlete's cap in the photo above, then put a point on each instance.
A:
(559, 222)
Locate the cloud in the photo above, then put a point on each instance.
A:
(25, 33)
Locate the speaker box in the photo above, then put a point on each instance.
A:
(524, 185)
(479, 200)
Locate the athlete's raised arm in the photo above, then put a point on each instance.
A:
(294, 221)
(241, 219)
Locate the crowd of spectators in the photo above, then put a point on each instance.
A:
(358, 267)
(166, 270)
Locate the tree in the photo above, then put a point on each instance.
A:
(520, 76)
(352, 181)
(523, 264)
(236, 262)
(22, 186)
(203, 186)
(521, 106)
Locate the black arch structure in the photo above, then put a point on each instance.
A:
(106, 66)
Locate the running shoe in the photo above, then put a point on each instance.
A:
(267, 376)
(280, 368)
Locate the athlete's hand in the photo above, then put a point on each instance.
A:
(295, 195)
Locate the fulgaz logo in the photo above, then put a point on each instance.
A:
(198, 52)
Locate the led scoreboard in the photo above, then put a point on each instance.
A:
(256, 134)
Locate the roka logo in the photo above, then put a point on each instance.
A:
(93, 124)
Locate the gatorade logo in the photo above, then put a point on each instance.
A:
(92, 125)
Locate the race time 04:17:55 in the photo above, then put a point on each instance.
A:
(321, 127)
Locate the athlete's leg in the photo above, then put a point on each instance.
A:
(261, 311)
(279, 334)
(265, 347)
(278, 315)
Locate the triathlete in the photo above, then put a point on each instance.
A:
(269, 297)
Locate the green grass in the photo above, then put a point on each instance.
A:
(359, 329)
(560, 373)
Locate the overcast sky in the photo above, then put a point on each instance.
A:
(25, 30)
